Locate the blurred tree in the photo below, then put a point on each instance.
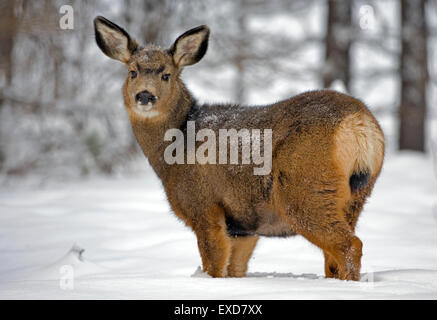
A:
(241, 44)
(8, 30)
(414, 75)
(149, 22)
(338, 42)
(258, 56)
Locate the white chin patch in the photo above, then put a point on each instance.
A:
(146, 110)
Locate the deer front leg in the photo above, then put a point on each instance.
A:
(214, 243)
(242, 249)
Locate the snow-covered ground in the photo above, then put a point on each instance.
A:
(135, 248)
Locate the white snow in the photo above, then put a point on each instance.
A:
(135, 248)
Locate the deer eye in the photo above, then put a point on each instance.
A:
(166, 76)
(133, 74)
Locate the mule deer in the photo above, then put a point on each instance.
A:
(327, 152)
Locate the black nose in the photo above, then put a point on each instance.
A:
(145, 97)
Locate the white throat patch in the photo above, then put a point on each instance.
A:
(146, 110)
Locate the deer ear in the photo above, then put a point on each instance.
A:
(113, 40)
(190, 47)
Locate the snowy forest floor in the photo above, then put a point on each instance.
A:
(136, 249)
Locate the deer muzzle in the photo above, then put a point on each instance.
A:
(145, 97)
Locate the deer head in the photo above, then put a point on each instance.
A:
(152, 84)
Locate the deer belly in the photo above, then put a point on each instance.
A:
(277, 229)
(267, 224)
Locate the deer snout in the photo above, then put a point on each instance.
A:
(144, 97)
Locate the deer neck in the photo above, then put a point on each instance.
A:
(150, 135)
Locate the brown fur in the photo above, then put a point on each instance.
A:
(320, 140)
(242, 248)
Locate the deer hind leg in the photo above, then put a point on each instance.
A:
(330, 232)
(331, 266)
(242, 249)
(348, 255)
(343, 251)
(214, 243)
(351, 211)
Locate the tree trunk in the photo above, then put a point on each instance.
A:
(338, 42)
(239, 59)
(8, 30)
(414, 76)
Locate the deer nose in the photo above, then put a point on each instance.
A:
(144, 97)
